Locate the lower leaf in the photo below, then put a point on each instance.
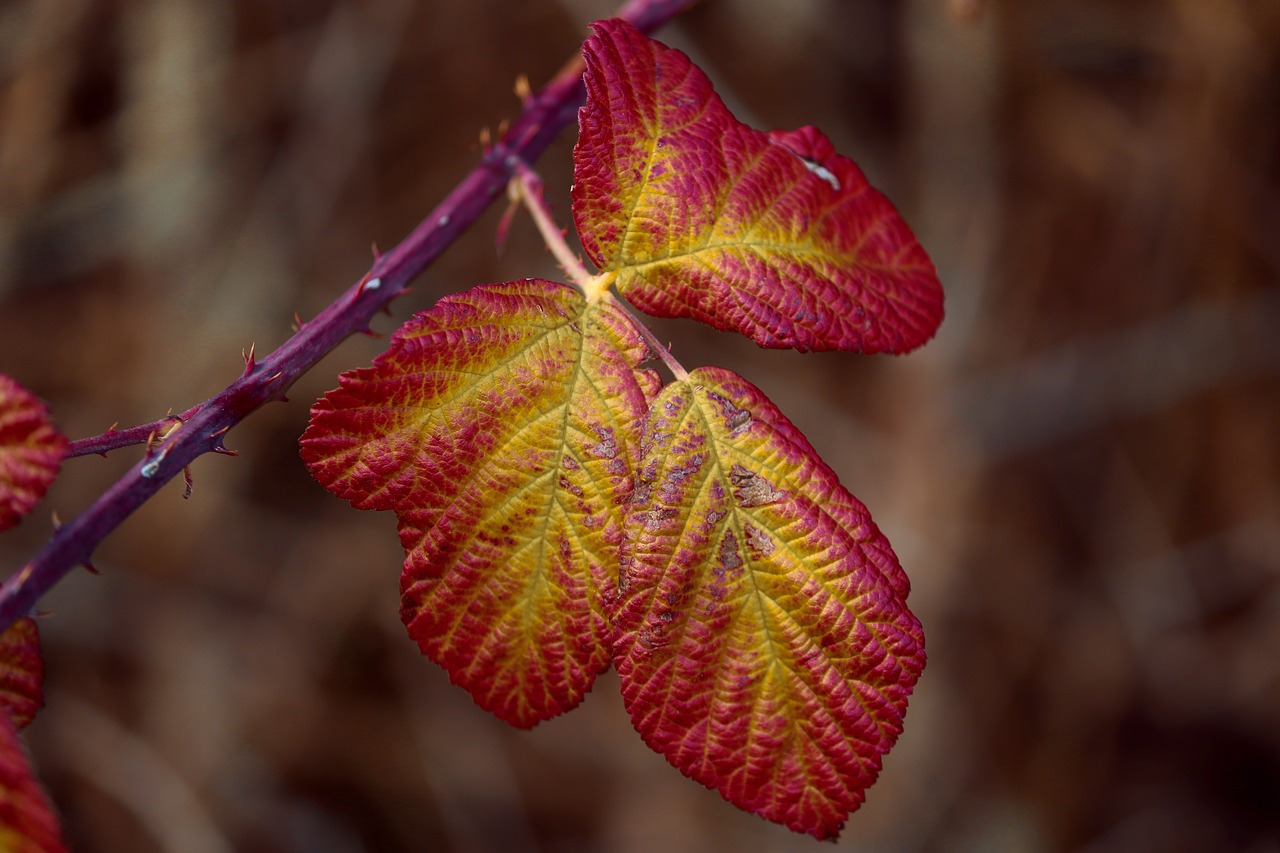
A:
(762, 636)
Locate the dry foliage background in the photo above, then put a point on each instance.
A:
(1081, 473)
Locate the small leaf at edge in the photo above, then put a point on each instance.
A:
(31, 451)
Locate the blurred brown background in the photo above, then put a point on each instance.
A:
(1080, 473)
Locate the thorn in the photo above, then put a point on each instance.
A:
(151, 440)
(111, 429)
(57, 522)
(90, 568)
(218, 446)
(186, 477)
(377, 255)
(523, 90)
(282, 399)
(273, 377)
(297, 321)
(249, 361)
(503, 126)
(486, 138)
(371, 333)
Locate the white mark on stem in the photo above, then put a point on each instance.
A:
(443, 221)
(373, 284)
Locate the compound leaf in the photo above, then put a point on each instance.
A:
(772, 235)
(500, 426)
(762, 636)
(27, 822)
(31, 451)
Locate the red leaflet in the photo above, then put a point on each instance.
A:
(763, 639)
(500, 427)
(26, 821)
(697, 215)
(31, 451)
(21, 672)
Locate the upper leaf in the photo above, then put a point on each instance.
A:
(763, 639)
(31, 451)
(501, 427)
(697, 215)
(27, 822)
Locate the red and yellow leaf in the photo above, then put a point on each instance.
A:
(31, 451)
(763, 639)
(697, 215)
(501, 427)
(27, 822)
(21, 672)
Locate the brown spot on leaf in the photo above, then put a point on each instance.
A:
(729, 557)
(752, 489)
(758, 540)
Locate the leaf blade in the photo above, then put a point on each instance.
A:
(31, 451)
(21, 672)
(762, 637)
(27, 821)
(507, 464)
(771, 235)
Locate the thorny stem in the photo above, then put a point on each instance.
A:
(114, 439)
(204, 431)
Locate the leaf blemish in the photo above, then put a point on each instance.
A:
(758, 540)
(607, 447)
(752, 489)
(729, 557)
(656, 516)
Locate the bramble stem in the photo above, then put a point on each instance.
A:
(114, 439)
(541, 120)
